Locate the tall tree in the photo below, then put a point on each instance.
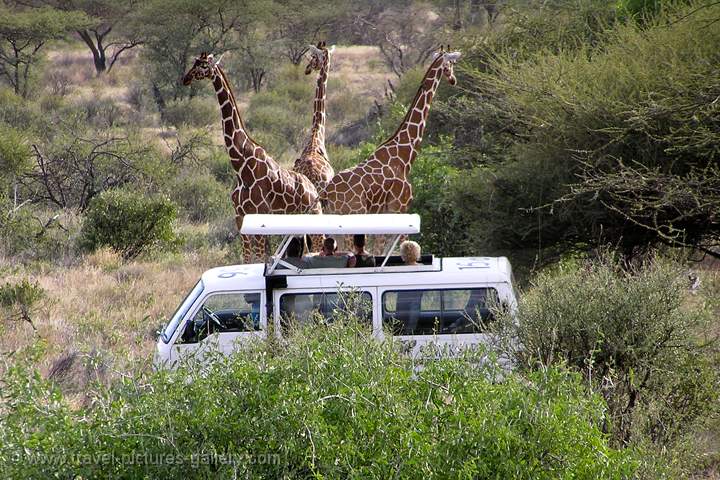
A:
(24, 32)
(110, 37)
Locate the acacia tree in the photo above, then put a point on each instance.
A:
(110, 38)
(407, 35)
(24, 32)
(177, 30)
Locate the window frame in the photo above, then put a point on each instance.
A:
(277, 313)
(190, 314)
(443, 289)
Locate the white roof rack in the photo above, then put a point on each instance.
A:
(371, 224)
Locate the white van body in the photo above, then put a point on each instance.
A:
(443, 302)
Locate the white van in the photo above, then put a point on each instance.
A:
(441, 301)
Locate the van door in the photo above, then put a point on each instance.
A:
(222, 322)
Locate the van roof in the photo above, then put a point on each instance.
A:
(370, 224)
(452, 270)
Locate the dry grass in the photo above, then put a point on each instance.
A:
(103, 308)
(362, 70)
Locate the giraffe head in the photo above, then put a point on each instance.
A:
(318, 56)
(447, 60)
(202, 68)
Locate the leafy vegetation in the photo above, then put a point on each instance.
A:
(312, 409)
(129, 223)
(576, 128)
(635, 335)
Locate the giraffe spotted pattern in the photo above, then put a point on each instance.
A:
(381, 183)
(262, 185)
(313, 161)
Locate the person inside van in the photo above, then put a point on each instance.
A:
(410, 252)
(328, 257)
(293, 254)
(362, 258)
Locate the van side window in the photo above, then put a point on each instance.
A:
(222, 313)
(430, 312)
(302, 308)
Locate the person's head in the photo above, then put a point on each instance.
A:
(359, 242)
(329, 246)
(295, 248)
(410, 252)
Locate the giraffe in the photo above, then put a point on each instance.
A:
(313, 161)
(380, 184)
(263, 186)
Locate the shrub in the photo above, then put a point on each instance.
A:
(433, 179)
(21, 299)
(15, 156)
(329, 404)
(202, 198)
(195, 112)
(31, 234)
(128, 222)
(632, 333)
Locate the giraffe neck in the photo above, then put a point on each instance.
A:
(317, 134)
(241, 148)
(413, 125)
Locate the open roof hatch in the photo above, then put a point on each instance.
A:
(397, 224)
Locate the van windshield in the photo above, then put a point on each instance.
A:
(181, 311)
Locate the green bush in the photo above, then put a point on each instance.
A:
(433, 180)
(15, 156)
(29, 233)
(330, 403)
(20, 300)
(583, 131)
(635, 334)
(128, 222)
(195, 112)
(202, 198)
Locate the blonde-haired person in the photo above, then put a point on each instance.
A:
(410, 252)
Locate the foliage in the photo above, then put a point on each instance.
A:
(281, 116)
(202, 198)
(72, 168)
(20, 300)
(635, 336)
(329, 403)
(609, 141)
(176, 31)
(14, 155)
(128, 222)
(432, 180)
(196, 112)
(110, 36)
(24, 32)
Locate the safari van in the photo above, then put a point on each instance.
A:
(445, 302)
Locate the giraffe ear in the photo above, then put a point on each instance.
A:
(453, 56)
(331, 49)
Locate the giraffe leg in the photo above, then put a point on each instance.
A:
(258, 248)
(247, 248)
